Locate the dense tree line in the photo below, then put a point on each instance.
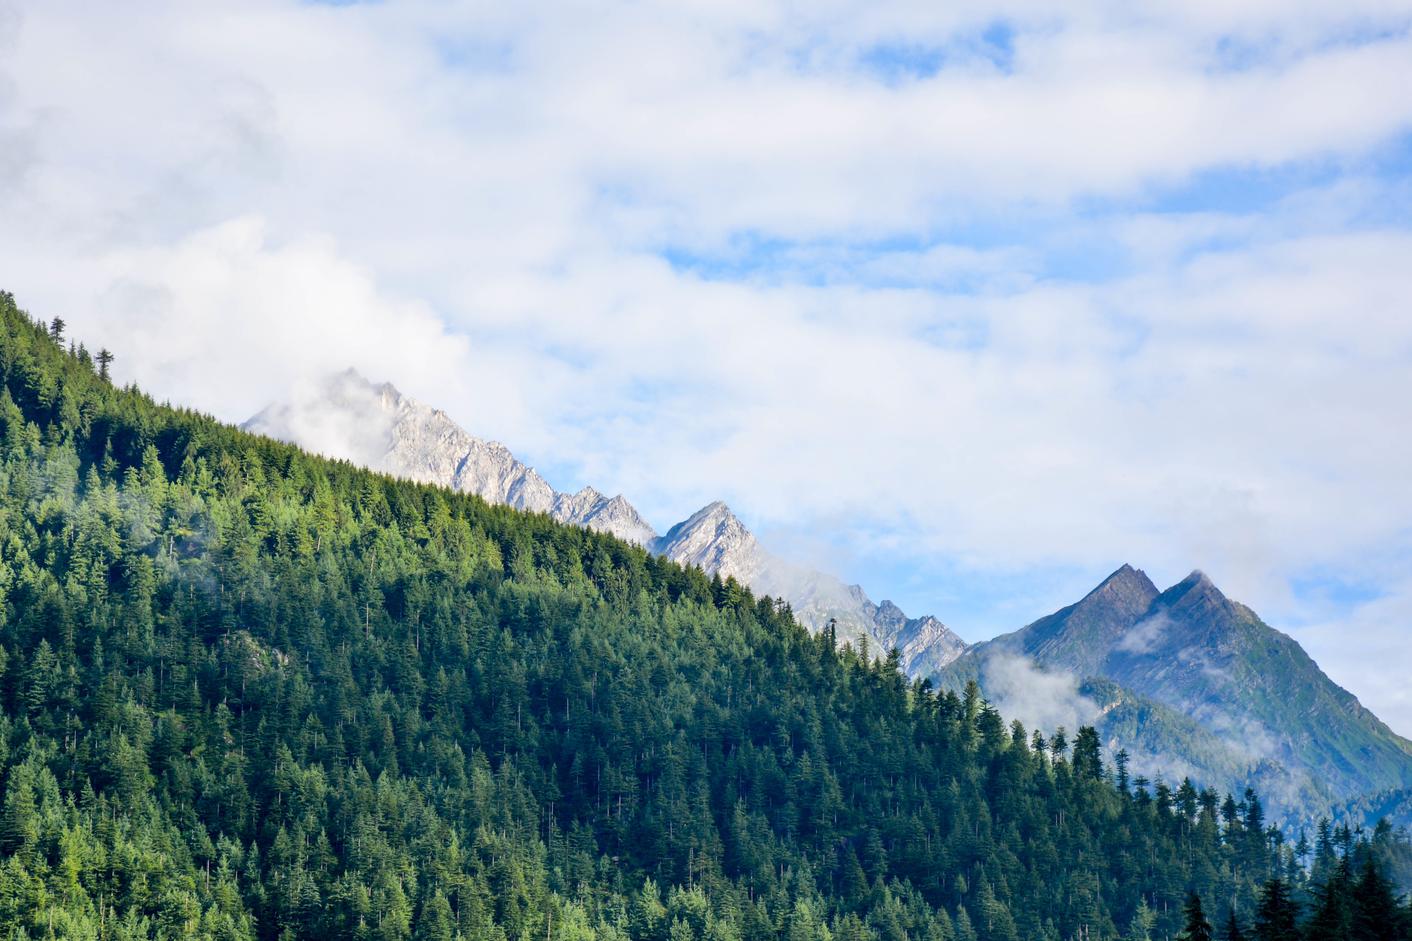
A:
(1338, 905)
(250, 693)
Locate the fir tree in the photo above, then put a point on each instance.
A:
(1232, 930)
(1276, 915)
(1195, 926)
(1375, 915)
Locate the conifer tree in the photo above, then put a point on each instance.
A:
(1276, 915)
(1140, 928)
(1375, 915)
(1195, 926)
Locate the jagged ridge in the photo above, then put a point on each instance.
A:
(349, 417)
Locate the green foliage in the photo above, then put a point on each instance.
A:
(249, 693)
(1196, 928)
(1276, 917)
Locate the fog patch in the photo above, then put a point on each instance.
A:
(1016, 687)
(343, 417)
(1146, 635)
(1246, 734)
(1158, 767)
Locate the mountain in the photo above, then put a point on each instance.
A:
(925, 644)
(248, 693)
(715, 540)
(1079, 638)
(346, 416)
(1235, 700)
(605, 514)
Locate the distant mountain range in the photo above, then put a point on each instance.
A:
(1190, 682)
(347, 416)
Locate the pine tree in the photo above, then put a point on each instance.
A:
(1375, 916)
(19, 824)
(1275, 917)
(1120, 764)
(1088, 761)
(1196, 927)
(1140, 928)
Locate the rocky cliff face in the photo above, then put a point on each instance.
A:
(613, 515)
(715, 540)
(926, 645)
(375, 425)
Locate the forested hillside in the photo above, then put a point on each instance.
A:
(249, 693)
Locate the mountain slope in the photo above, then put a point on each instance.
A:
(347, 416)
(249, 693)
(715, 540)
(594, 510)
(1237, 700)
(925, 644)
(1214, 658)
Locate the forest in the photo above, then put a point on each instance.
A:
(250, 693)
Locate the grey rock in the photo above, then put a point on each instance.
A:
(613, 515)
(714, 539)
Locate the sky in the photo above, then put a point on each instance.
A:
(970, 303)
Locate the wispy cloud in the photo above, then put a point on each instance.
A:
(1041, 700)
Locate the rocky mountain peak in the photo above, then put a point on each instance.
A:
(719, 512)
(1127, 589)
(613, 515)
(890, 613)
(924, 644)
(1197, 597)
(1078, 638)
(927, 645)
(1244, 701)
(715, 539)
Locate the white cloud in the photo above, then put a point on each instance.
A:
(474, 202)
(1144, 636)
(1043, 701)
(227, 319)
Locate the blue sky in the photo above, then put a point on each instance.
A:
(969, 305)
